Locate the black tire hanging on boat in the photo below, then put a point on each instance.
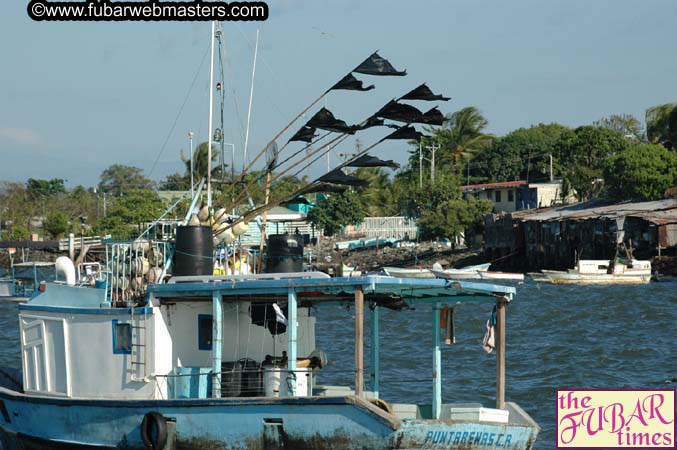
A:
(154, 421)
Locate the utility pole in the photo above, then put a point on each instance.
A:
(190, 138)
(551, 178)
(420, 165)
(433, 148)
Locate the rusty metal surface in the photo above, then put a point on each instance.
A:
(660, 211)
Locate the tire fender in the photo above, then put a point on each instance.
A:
(154, 431)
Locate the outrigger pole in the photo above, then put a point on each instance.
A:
(254, 212)
(283, 130)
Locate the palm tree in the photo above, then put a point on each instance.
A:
(462, 137)
(200, 161)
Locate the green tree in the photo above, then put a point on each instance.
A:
(625, 124)
(661, 125)
(439, 206)
(128, 212)
(642, 172)
(175, 182)
(520, 155)
(377, 199)
(200, 156)
(19, 233)
(45, 188)
(336, 211)
(118, 179)
(56, 224)
(583, 155)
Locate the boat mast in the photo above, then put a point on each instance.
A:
(209, 131)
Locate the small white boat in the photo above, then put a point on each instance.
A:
(501, 276)
(456, 274)
(399, 272)
(479, 267)
(599, 272)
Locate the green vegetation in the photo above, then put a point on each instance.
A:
(661, 125)
(336, 211)
(613, 158)
(643, 172)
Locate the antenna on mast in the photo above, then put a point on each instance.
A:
(209, 131)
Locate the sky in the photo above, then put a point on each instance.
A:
(77, 97)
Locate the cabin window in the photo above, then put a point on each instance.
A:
(497, 196)
(511, 195)
(204, 332)
(122, 338)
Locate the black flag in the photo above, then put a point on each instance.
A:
(405, 132)
(400, 112)
(323, 187)
(350, 83)
(373, 121)
(337, 176)
(325, 120)
(434, 117)
(305, 134)
(372, 161)
(423, 92)
(375, 65)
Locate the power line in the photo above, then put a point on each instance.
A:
(178, 115)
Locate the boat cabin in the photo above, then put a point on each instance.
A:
(219, 336)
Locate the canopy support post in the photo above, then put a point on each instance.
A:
(359, 341)
(217, 328)
(375, 348)
(500, 352)
(437, 363)
(291, 340)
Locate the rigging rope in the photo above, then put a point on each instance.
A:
(178, 115)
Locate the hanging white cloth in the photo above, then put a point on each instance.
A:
(488, 343)
(279, 315)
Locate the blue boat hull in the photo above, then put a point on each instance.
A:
(29, 422)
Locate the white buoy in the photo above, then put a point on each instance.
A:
(154, 275)
(228, 236)
(240, 228)
(140, 266)
(220, 215)
(203, 215)
(194, 221)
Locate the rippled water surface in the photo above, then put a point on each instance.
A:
(557, 337)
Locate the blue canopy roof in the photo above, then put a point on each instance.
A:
(408, 289)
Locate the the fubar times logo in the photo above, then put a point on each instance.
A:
(616, 418)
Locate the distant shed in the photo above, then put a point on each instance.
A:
(552, 238)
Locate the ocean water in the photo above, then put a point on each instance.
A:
(557, 337)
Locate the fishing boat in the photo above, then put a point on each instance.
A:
(24, 280)
(501, 276)
(599, 272)
(229, 362)
(164, 354)
(409, 273)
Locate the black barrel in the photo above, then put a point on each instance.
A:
(284, 253)
(194, 251)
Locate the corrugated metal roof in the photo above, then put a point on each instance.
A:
(660, 211)
(470, 187)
